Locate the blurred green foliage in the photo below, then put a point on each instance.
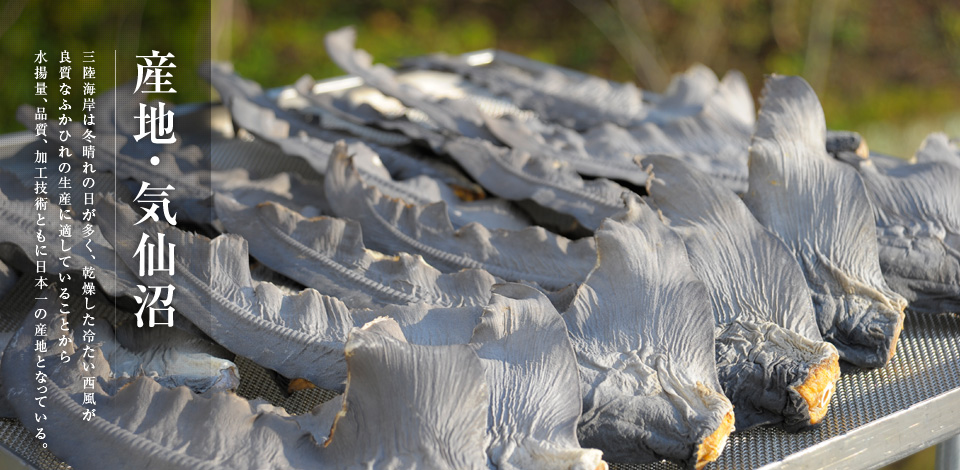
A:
(887, 68)
(129, 28)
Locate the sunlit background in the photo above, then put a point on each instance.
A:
(888, 69)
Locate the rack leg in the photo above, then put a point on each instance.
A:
(948, 454)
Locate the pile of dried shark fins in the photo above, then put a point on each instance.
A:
(495, 266)
(916, 206)
(505, 396)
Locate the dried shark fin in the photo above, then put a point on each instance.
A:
(402, 165)
(516, 175)
(369, 105)
(917, 212)
(143, 421)
(567, 146)
(423, 189)
(846, 145)
(714, 140)
(121, 104)
(20, 215)
(171, 356)
(453, 116)
(295, 333)
(425, 324)
(253, 111)
(332, 118)
(409, 406)
(289, 189)
(820, 209)
(519, 130)
(131, 160)
(915, 207)
(938, 147)
(295, 137)
(327, 110)
(394, 226)
(697, 90)
(529, 366)
(569, 98)
(646, 353)
(461, 117)
(185, 167)
(327, 254)
(685, 94)
(254, 171)
(771, 360)
(534, 385)
(122, 155)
